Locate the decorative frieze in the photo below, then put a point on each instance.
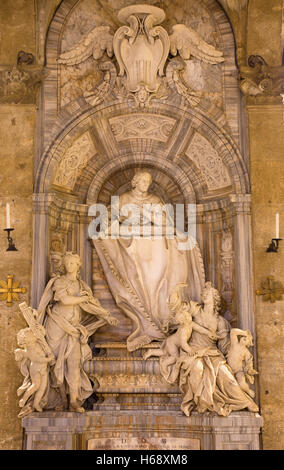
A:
(73, 161)
(147, 126)
(207, 160)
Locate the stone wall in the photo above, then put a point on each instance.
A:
(266, 136)
(16, 187)
(267, 169)
(21, 31)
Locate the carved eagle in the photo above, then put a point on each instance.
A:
(94, 44)
(187, 43)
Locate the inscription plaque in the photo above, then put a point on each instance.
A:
(143, 443)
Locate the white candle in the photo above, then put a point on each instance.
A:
(277, 226)
(8, 220)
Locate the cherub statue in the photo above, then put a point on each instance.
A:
(34, 357)
(178, 340)
(177, 343)
(240, 359)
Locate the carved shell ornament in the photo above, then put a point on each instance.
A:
(141, 47)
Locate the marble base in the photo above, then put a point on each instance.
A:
(141, 430)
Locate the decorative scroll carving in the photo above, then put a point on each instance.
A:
(25, 58)
(261, 79)
(73, 161)
(20, 85)
(174, 70)
(150, 126)
(207, 160)
(128, 380)
(94, 94)
(141, 50)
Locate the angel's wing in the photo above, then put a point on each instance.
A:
(188, 43)
(95, 43)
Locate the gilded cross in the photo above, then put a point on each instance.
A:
(9, 290)
(271, 290)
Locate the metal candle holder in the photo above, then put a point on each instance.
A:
(274, 245)
(11, 243)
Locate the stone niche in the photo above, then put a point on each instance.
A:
(95, 131)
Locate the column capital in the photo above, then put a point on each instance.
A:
(241, 203)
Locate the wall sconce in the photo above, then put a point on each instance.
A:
(274, 245)
(11, 244)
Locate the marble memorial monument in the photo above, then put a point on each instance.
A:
(137, 341)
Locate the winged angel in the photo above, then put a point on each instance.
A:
(142, 48)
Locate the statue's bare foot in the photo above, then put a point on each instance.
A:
(147, 354)
(75, 408)
(38, 408)
(253, 408)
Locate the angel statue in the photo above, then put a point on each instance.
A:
(240, 358)
(177, 342)
(142, 47)
(34, 357)
(70, 315)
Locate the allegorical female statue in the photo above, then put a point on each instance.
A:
(203, 369)
(142, 270)
(67, 315)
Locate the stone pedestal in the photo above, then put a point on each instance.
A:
(125, 381)
(141, 430)
(137, 410)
